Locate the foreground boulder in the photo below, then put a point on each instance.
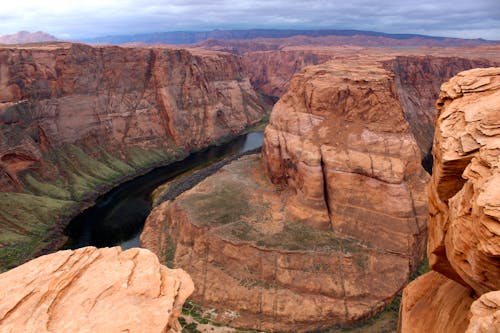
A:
(464, 206)
(93, 290)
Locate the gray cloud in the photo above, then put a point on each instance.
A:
(90, 18)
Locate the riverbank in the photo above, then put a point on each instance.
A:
(46, 208)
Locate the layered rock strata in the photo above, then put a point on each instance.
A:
(464, 237)
(417, 77)
(340, 143)
(93, 290)
(75, 119)
(325, 228)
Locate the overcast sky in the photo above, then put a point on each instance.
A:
(92, 18)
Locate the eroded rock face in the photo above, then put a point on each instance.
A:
(464, 237)
(339, 142)
(434, 303)
(485, 314)
(418, 80)
(417, 77)
(464, 242)
(93, 290)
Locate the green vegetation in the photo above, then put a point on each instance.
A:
(25, 221)
(224, 204)
(169, 251)
(193, 316)
(71, 175)
(46, 189)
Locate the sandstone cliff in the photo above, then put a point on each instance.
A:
(93, 290)
(464, 238)
(76, 119)
(417, 77)
(328, 231)
(340, 143)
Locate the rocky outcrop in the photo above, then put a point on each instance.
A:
(76, 119)
(328, 231)
(417, 78)
(464, 242)
(339, 142)
(93, 290)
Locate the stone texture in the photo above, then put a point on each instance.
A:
(117, 98)
(434, 303)
(464, 242)
(93, 290)
(340, 144)
(485, 314)
(464, 237)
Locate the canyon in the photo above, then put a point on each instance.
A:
(336, 202)
(324, 228)
(77, 119)
(461, 294)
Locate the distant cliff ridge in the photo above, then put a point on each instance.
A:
(23, 37)
(347, 36)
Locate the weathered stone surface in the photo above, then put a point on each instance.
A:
(434, 303)
(485, 314)
(417, 77)
(75, 120)
(464, 242)
(464, 206)
(93, 290)
(340, 144)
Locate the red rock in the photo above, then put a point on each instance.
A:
(464, 237)
(93, 290)
(75, 120)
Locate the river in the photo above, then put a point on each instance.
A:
(117, 217)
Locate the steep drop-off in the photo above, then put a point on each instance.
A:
(93, 290)
(332, 220)
(76, 119)
(464, 207)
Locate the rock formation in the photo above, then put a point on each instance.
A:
(464, 207)
(76, 119)
(329, 232)
(417, 78)
(93, 290)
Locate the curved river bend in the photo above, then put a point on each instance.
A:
(117, 218)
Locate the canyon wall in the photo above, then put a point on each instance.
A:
(93, 290)
(340, 143)
(417, 77)
(464, 207)
(76, 119)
